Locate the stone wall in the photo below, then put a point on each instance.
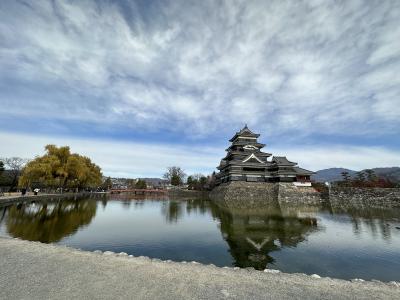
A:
(256, 194)
(347, 197)
(290, 194)
(241, 194)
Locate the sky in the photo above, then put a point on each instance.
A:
(142, 85)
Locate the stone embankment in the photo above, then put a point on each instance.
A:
(255, 194)
(252, 194)
(290, 194)
(245, 195)
(347, 197)
(31, 270)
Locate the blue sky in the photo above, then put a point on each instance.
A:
(142, 85)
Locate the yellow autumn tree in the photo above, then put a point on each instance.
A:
(61, 168)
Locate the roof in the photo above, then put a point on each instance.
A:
(258, 145)
(282, 160)
(222, 164)
(245, 132)
(301, 171)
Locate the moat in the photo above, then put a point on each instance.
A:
(343, 244)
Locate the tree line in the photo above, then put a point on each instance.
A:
(60, 169)
(366, 178)
(176, 176)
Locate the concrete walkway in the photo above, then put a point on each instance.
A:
(37, 271)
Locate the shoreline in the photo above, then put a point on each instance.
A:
(49, 270)
(8, 200)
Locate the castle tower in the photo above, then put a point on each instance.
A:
(245, 161)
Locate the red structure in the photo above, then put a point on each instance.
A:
(138, 191)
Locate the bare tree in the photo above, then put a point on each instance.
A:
(175, 175)
(15, 166)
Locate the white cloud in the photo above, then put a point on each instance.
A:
(203, 67)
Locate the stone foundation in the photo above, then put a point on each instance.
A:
(298, 195)
(238, 194)
(263, 195)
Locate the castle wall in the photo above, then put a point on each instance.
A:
(257, 194)
(241, 194)
(250, 195)
(291, 194)
(348, 197)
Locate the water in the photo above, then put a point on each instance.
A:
(353, 244)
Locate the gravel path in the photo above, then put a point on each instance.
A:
(31, 270)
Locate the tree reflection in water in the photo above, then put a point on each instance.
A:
(172, 210)
(251, 235)
(49, 222)
(376, 220)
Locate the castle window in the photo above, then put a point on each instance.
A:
(253, 169)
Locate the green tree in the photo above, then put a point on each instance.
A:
(197, 182)
(1, 167)
(175, 175)
(141, 184)
(131, 183)
(202, 183)
(107, 184)
(1, 173)
(189, 181)
(360, 176)
(345, 176)
(371, 176)
(61, 168)
(176, 180)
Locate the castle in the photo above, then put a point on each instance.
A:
(246, 162)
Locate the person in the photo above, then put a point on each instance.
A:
(36, 191)
(23, 191)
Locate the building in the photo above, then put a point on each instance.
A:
(246, 162)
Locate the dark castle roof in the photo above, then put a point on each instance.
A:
(244, 132)
(246, 162)
(301, 171)
(282, 160)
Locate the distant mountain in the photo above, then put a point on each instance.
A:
(155, 181)
(124, 182)
(331, 174)
(335, 174)
(393, 173)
